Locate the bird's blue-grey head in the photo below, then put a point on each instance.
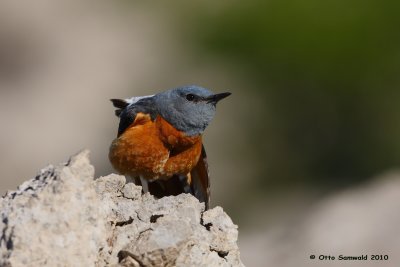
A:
(189, 109)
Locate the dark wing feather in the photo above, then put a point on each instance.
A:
(120, 104)
(200, 183)
(127, 112)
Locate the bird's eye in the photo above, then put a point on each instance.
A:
(190, 97)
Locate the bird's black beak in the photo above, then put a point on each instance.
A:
(217, 97)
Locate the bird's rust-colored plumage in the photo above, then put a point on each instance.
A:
(154, 149)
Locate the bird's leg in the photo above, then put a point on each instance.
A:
(133, 179)
(145, 184)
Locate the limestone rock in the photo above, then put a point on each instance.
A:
(63, 217)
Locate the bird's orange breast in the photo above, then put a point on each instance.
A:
(154, 149)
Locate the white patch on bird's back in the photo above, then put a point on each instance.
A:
(135, 99)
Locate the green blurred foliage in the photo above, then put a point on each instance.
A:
(327, 72)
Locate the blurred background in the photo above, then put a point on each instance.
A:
(303, 155)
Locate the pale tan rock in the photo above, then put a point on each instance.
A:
(64, 217)
(54, 219)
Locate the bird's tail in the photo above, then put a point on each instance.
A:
(120, 104)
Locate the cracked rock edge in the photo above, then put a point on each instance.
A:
(65, 217)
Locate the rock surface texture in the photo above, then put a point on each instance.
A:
(63, 217)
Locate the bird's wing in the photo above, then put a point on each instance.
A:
(128, 110)
(200, 180)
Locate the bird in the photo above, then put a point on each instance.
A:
(159, 142)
